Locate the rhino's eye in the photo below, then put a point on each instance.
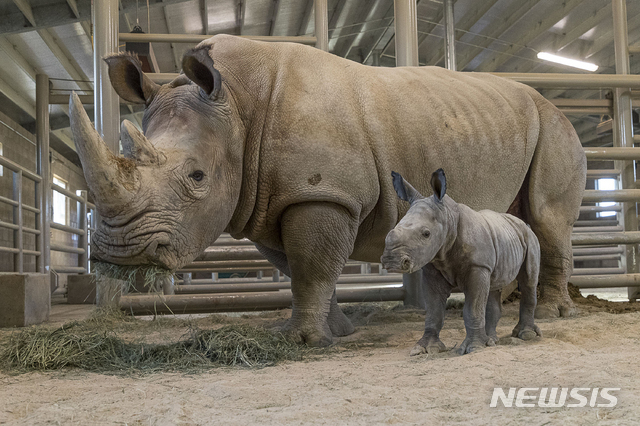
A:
(198, 175)
(426, 233)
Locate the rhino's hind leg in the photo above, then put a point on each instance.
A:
(437, 291)
(556, 183)
(318, 238)
(528, 281)
(493, 314)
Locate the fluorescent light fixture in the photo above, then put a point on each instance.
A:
(566, 61)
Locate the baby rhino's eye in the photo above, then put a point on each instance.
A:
(426, 233)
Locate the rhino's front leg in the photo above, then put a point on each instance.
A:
(318, 239)
(476, 294)
(437, 291)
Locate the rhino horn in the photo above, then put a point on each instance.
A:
(137, 147)
(110, 179)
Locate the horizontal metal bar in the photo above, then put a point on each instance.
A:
(612, 153)
(9, 249)
(585, 229)
(581, 81)
(8, 225)
(31, 252)
(591, 196)
(636, 139)
(614, 208)
(8, 201)
(4, 161)
(227, 240)
(67, 249)
(603, 173)
(197, 38)
(585, 111)
(190, 304)
(634, 49)
(66, 228)
(91, 206)
(584, 251)
(30, 209)
(64, 99)
(582, 103)
(261, 263)
(606, 281)
(628, 237)
(231, 288)
(596, 222)
(68, 269)
(598, 271)
(597, 257)
(67, 193)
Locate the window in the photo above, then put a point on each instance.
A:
(60, 202)
(1, 168)
(606, 184)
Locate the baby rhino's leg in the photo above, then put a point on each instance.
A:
(494, 312)
(528, 282)
(437, 290)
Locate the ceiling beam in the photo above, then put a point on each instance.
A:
(374, 13)
(13, 54)
(26, 10)
(59, 13)
(174, 51)
(17, 98)
(274, 16)
(473, 15)
(241, 9)
(495, 59)
(306, 18)
(69, 64)
(514, 13)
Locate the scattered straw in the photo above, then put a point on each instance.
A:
(93, 345)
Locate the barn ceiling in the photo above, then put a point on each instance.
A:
(54, 37)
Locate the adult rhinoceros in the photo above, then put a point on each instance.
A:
(293, 148)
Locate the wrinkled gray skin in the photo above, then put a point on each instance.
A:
(478, 252)
(291, 147)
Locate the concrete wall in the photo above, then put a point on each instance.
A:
(19, 147)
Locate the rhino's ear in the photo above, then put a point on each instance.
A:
(404, 189)
(128, 80)
(198, 66)
(439, 184)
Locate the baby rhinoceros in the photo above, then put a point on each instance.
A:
(478, 252)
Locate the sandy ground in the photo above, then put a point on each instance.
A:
(369, 378)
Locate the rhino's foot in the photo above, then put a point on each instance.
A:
(339, 324)
(526, 332)
(475, 342)
(555, 306)
(316, 336)
(432, 347)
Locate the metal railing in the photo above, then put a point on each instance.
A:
(86, 212)
(19, 207)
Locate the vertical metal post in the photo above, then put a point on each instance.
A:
(365, 268)
(375, 55)
(320, 10)
(276, 275)
(186, 278)
(18, 242)
(105, 41)
(83, 258)
(107, 109)
(43, 189)
(406, 26)
(449, 38)
(623, 132)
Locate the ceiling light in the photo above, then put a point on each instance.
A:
(566, 61)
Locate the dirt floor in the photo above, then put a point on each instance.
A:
(367, 378)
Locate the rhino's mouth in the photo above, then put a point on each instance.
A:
(154, 249)
(397, 262)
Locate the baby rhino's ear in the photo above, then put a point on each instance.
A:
(404, 190)
(439, 184)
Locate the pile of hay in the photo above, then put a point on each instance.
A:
(93, 345)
